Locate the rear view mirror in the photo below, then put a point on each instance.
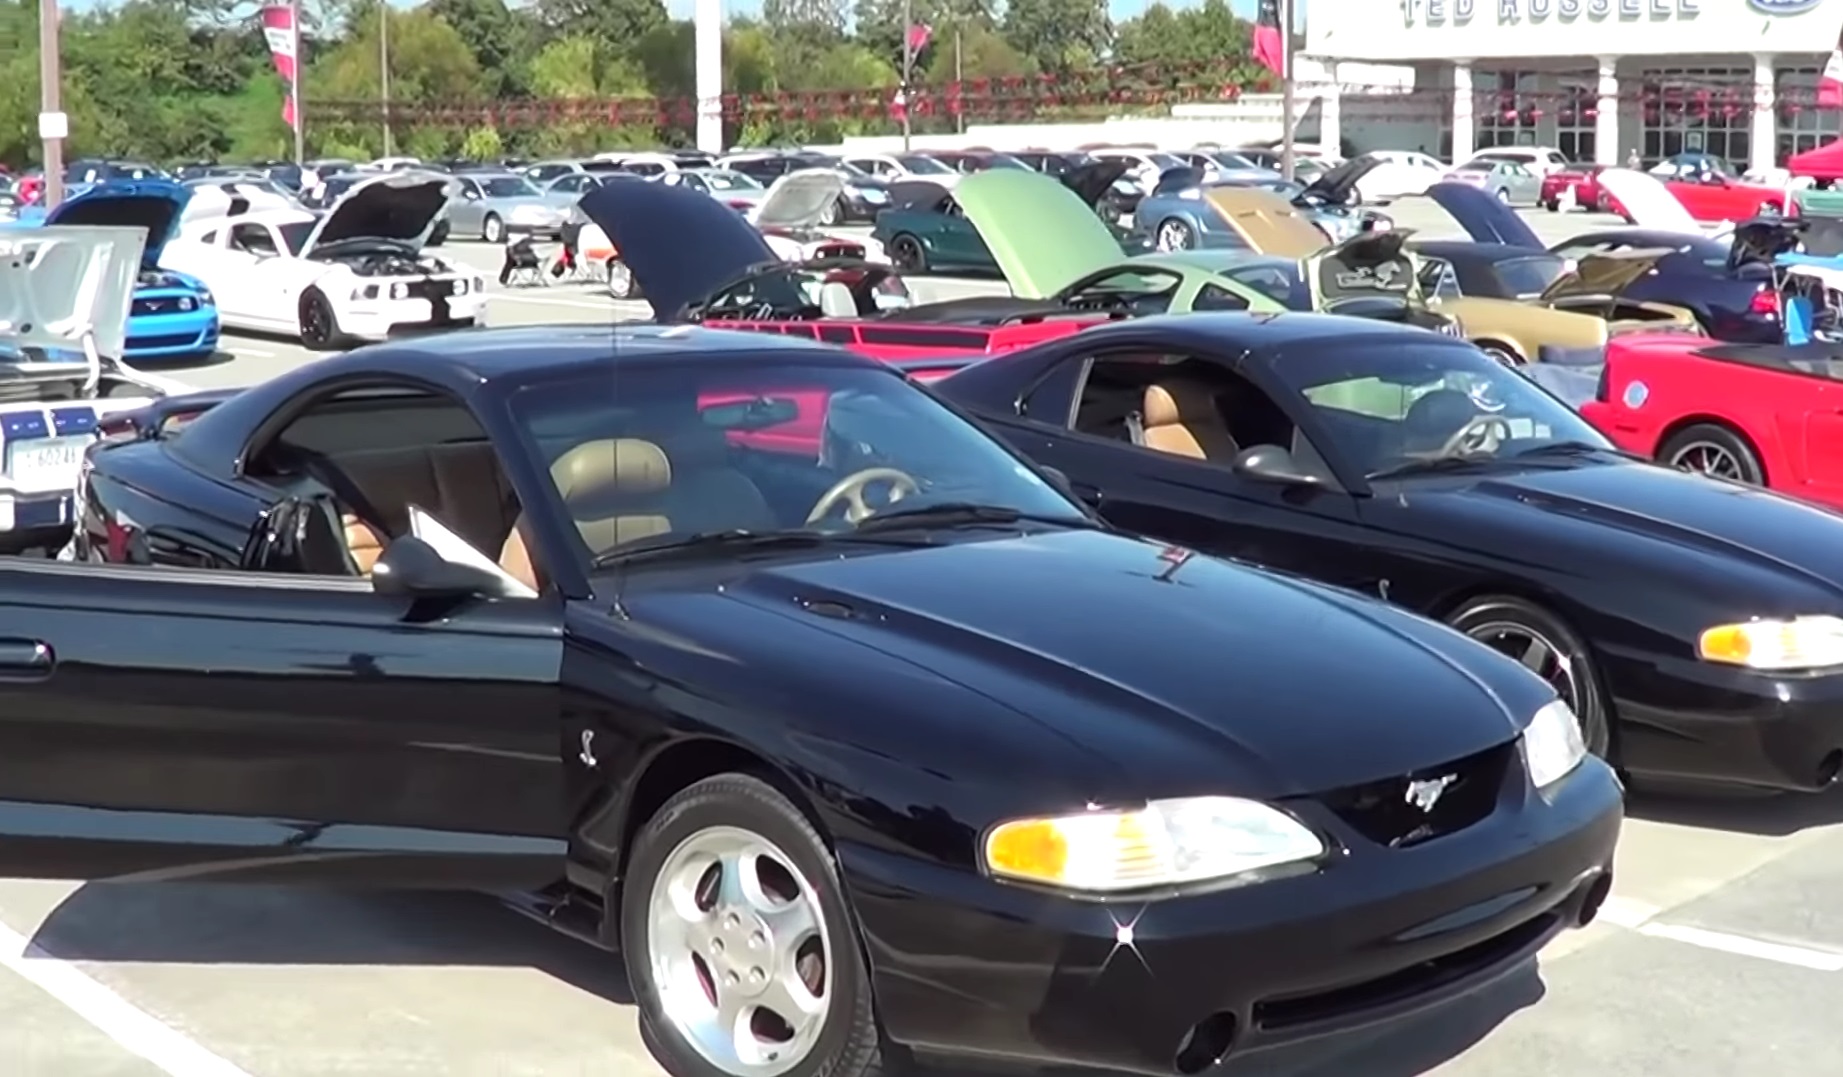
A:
(757, 414)
(411, 566)
(1273, 464)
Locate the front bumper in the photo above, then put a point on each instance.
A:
(1698, 723)
(965, 965)
(176, 335)
(544, 229)
(379, 319)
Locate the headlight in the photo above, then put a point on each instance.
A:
(1167, 842)
(369, 291)
(1552, 745)
(1798, 643)
(400, 290)
(187, 303)
(204, 298)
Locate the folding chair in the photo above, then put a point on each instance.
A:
(522, 267)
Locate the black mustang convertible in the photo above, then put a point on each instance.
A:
(850, 729)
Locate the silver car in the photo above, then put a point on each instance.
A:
(737, 190)
(1510, 181)
(494, 205)
(566, 190)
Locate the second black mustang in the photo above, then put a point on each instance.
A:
(1695, 626)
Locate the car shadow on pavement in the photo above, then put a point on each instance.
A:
(1763, 813)
(195, 924)
(261, 925)
(188, 362)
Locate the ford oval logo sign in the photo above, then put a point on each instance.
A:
(1783, 7)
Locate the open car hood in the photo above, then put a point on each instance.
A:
(1268, 223)
(1484, 217)
(1649, 203)
(1367, 268)
(400, 207)
(60, 282)
(1334, 187)
(799, 199)
(1762, 239)
(1041, 234)
(680, 246)
(1607, 273)
(153, 205)
(919, 196)
(1092, 181)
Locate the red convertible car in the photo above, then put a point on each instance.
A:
(1764, 414)
(698, 262)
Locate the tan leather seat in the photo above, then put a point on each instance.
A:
(363, 543)
(1182, 418)
(614, 490)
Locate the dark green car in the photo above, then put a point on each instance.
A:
(926, 230)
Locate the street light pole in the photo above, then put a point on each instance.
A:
(384, 68)
(53, 125)
(908, 61)
(1288, 103)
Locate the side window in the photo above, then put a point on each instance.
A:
(209, 238)
(1178, 405)
(1216, 297)
(253, 239)
(1052, 399)
(469, 189)
(1438, 280)
(1275, 284)
(366, 455)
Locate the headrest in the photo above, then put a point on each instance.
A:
(595, 474)
(1171, 402)
(836, 301)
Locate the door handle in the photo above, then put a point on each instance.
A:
(26, 659)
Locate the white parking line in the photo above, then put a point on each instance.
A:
(254, 353)
(1641, 918)
(112, 1015)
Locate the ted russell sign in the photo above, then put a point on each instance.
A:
(1459, 12)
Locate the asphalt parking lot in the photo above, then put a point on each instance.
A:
(1720, 955)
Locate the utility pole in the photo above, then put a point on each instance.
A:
(53, 124)
(908, 61)
(959, 79)
(294, 91)
(384, 67)
(1287, 103)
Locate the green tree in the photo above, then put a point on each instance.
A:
(612, 24)
(1059, 35)
(502, 40)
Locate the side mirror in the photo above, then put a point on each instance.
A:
(1075, 491)
(1273, 464)
(411, 566)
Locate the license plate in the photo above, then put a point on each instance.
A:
(50, 464)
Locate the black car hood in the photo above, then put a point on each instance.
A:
(1733, 538)
(918, 195)
(1334, 187)
(1092, 181)
(1208, 677)
(1761, 239)
(679, 244)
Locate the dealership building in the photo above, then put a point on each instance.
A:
(1597, 79)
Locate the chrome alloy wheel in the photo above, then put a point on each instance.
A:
(1173, 235)
(738, 947)
(1537, 653)
(1708, 458)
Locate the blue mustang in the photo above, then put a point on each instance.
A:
(173, 316)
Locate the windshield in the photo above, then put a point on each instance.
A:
(1279, 281)
(295, 233)
(712, 446)
(1003, 160)
(508, 187)
(721, 180)
(1399, 403)
(923, 166)
(1164, 161)
(1528, 277)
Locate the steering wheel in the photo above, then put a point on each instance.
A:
(1482, 434)
(850, 490)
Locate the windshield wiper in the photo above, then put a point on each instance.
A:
(1573, 448)
(1436, 465)
(964, 514)
(738, 540)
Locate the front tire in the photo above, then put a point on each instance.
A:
(1545, 645)
(1553, 205)
(493, 230)
(319, 325)
(1713, 450)
(731, 911)
(440, 235)
(620, 280)
(833, 213)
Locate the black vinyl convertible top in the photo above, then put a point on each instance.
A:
(1818, 359)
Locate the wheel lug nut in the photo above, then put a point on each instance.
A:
(731, 978)
(757, 976)
(716, 946)
(732, 921)
(756, 940)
